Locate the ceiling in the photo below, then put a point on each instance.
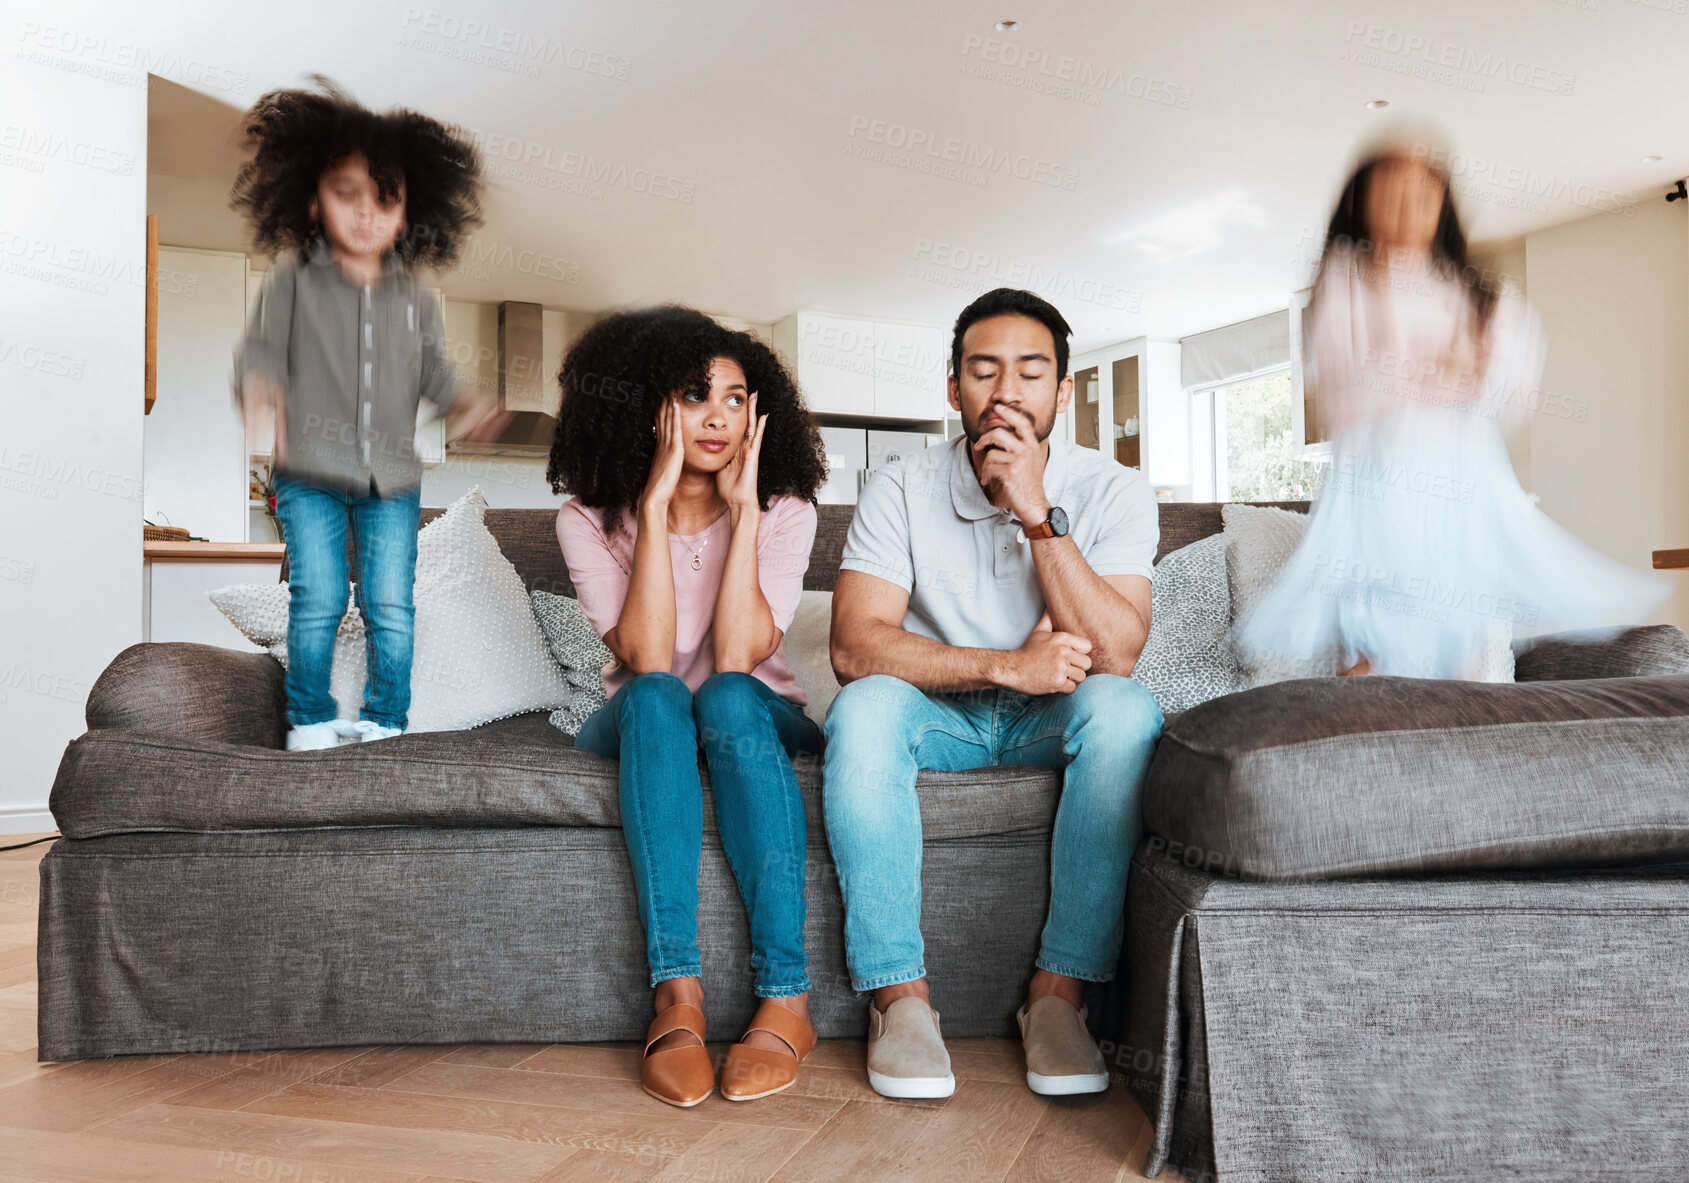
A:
(1153, 168)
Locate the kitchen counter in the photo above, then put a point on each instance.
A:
(212, 552)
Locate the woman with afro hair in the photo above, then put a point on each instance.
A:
(693, 465)
(339, 352)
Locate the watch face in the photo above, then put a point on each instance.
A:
(1058, 520)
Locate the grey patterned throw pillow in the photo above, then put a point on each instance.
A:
(579, 650)
(1186, 660)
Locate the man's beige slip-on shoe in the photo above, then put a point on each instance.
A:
(1061, 1059)
(906, 1056)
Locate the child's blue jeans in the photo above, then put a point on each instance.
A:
(314, 521)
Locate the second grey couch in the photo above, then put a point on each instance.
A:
(1390, 929)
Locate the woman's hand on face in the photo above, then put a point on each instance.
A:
(737, 481)
(669, 456)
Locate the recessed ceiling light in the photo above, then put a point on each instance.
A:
(1007, 26)
(1651, 159)
(1377, 104)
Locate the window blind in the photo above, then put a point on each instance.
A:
(1237, 350)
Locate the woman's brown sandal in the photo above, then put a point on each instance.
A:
(752, 1072)
(682, 1075)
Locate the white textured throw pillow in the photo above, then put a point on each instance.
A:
(1259, 540)
(807, 654)
(479, 655)
(1186, 658)
(259, 611)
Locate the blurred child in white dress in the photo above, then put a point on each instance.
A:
(1423, 557)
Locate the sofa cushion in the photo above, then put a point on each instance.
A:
(518, 771)
(1324, 778)
(1644, 651)
(1259, 541)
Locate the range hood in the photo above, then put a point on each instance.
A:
(523, 386)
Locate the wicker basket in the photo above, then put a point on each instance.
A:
(152, 533)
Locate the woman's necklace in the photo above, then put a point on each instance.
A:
(698, 552)
(697, 555)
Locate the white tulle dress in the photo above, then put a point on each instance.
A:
(1422, 553)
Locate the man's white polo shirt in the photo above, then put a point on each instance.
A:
(924, 524)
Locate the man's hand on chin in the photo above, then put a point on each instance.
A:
(1009, 460)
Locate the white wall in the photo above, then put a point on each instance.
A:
(1505, 262)
(72, 338)
(1613, 291)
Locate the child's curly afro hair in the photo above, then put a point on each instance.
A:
(614, 380)
(297, 135)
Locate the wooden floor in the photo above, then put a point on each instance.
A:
(508, 1111)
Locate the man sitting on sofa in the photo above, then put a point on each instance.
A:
(993, 597)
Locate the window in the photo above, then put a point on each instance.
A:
(1245, 443)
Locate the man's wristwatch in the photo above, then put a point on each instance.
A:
(1054, 526)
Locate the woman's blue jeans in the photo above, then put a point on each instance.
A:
(654, 725)
(313, 519)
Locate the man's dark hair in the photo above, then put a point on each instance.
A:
(1012, 302)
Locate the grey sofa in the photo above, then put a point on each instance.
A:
(1386, 928)
(1380, 928)
(213, 891)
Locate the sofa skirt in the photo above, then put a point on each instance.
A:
(1474, 1027)
(165, 942)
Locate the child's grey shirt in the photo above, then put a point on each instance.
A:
(354, 361)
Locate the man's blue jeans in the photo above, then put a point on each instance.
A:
(313, 519)
(881, 731)
(653, 725)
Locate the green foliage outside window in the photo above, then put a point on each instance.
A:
(1260, 448)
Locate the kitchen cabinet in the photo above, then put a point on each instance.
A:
(174, 586)
(866, 369)
(1128, 402)
(911, 367)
